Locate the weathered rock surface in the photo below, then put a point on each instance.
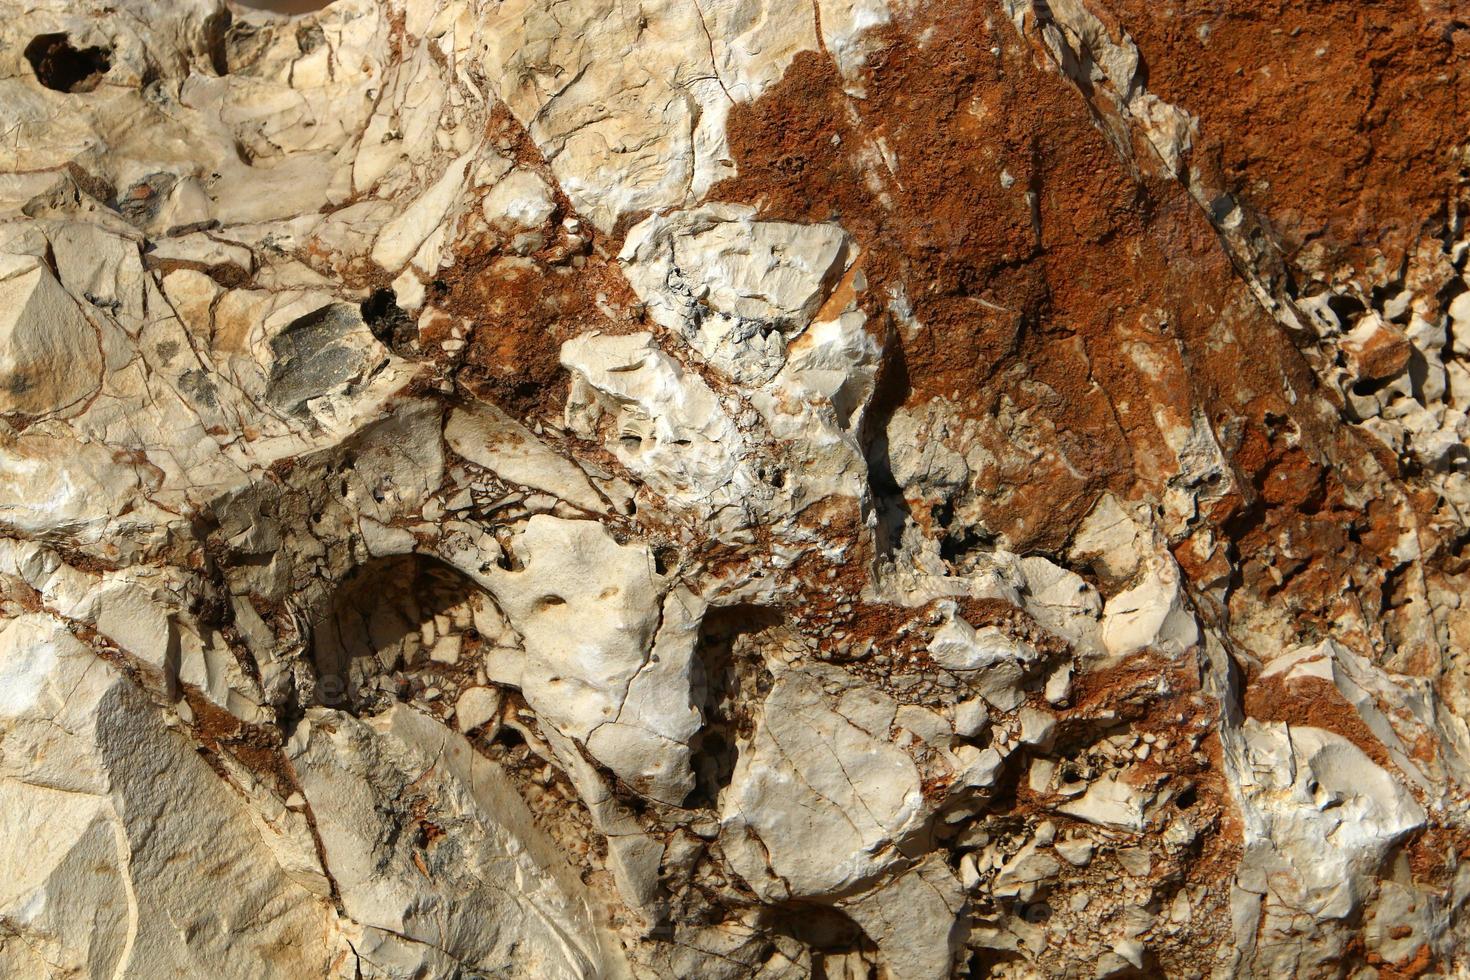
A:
(734, 490)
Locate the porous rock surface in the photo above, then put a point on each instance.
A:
(734, 489)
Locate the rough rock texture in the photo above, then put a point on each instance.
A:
(761, 489)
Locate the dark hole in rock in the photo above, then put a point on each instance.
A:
(830, 934)
(730, 680)
(1036, 912)
(387, 618)
(1346, 308)
(509, 737)
(1364, 387)
(64, 68)
(388, 322)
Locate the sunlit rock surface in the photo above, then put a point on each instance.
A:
(873, 489)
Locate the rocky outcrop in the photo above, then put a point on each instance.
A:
(734, 490)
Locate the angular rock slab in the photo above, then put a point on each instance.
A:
(125, 854)
(436, 857)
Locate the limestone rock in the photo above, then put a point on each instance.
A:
(600, 664)
(110, 806)
(51, 358)
(485, 435)
(734, 489)
(737, 290)
(1153, 614)
(662, 421)
(817, 804)
(1110, 802)
(427, 883)
(1333, 814)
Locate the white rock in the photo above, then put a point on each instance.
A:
(959, 646)
(735, 289)
(1459, 314)
(642, 132)
(990, 660)
(1110, 540)
(50, 356)
(403, 237)
(928, 726)
(1076, 850)
(914, 921)
(1038, 728)
(826, 799)
(971, 718)
(483, 434)
(1319, 816)
(127, 614)
(664, 423)
(1155, 614)
(846, 33)
(1024, 870)
(587, 609)
(111, 812)
(475, 707)
(983, 771)
(424, 900)
(1063, 602)
(1400, 711)
(521, 201)
(1058, 687)
(1110, 801)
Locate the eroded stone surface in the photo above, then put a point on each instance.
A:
(734, 489)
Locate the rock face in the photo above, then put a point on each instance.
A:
(734, 490)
